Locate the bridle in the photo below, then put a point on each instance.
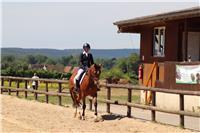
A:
(93, 78)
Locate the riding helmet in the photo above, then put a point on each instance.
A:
(86, 45)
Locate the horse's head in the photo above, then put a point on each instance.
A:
(95, 71)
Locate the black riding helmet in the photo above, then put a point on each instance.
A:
(86, 45)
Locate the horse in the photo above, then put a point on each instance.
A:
(88, 87)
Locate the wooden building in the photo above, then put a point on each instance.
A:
(166, 40)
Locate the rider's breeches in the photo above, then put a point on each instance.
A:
(80, 71)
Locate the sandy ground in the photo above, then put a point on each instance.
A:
(20, 115)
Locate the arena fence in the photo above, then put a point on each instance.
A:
(130, 88)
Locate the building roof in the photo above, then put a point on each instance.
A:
(175, 15)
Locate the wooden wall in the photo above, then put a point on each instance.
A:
(171, 43)
(173, 39)
(170, 77)
(166, 77)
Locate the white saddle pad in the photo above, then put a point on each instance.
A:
(81, 79)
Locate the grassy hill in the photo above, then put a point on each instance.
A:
(97, 53)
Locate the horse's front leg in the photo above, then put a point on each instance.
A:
(95, 105)
(97, 119)
(84, 107)
(95, 109)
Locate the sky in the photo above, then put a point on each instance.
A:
(67, 25)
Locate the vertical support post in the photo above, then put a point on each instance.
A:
(47, 96)
(90, 100)
(59, 91)
(26, 86)
(36, 88)
(129, 100)
(2, 84)
(10, 84)
(185, 41)
(17, 92)
(181, 105)
(108, 98)
(153, 112)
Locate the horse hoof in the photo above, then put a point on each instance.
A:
(74, 115)
(79, 116)
(96, 120)
(83, 118)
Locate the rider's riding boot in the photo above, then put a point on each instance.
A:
(77, 86)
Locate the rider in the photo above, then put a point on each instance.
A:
(86, 60)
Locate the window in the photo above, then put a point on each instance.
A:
(159, 42)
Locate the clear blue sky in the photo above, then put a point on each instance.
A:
(63, 25)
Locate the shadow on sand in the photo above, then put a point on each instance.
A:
(112, 117)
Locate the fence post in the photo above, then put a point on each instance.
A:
(47, 96)
(10, 84)
(59, 91)
(17, 92)
(153, 112)
(2, 84)
(129, 100)
(181, 107)
(36, 88)
(26, 86)
(108, 98)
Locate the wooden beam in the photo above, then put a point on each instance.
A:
(147, 107)
(164, 90)
(30, 79)
(185, 40)
(36, 91)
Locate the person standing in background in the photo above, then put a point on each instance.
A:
(35, 83)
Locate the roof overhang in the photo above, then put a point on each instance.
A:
(136, 23)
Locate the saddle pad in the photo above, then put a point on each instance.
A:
(82, 78)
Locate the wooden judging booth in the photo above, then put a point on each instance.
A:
(169, 47)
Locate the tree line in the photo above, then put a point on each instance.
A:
(125, 67)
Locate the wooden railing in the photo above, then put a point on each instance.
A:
(25, 89)
(181, 112)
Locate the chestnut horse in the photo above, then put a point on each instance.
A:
(88, 87)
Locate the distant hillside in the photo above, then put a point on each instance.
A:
(97, 53)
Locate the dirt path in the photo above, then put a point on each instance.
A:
(20, 115)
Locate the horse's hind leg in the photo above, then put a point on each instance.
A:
(75, 113)
(84, 107)
(73, 97)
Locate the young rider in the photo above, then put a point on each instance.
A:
(86, 60)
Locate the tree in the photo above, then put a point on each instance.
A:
(50, 61)
(8, 58)
(31, 59)
(65, 60)
(41, 59)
